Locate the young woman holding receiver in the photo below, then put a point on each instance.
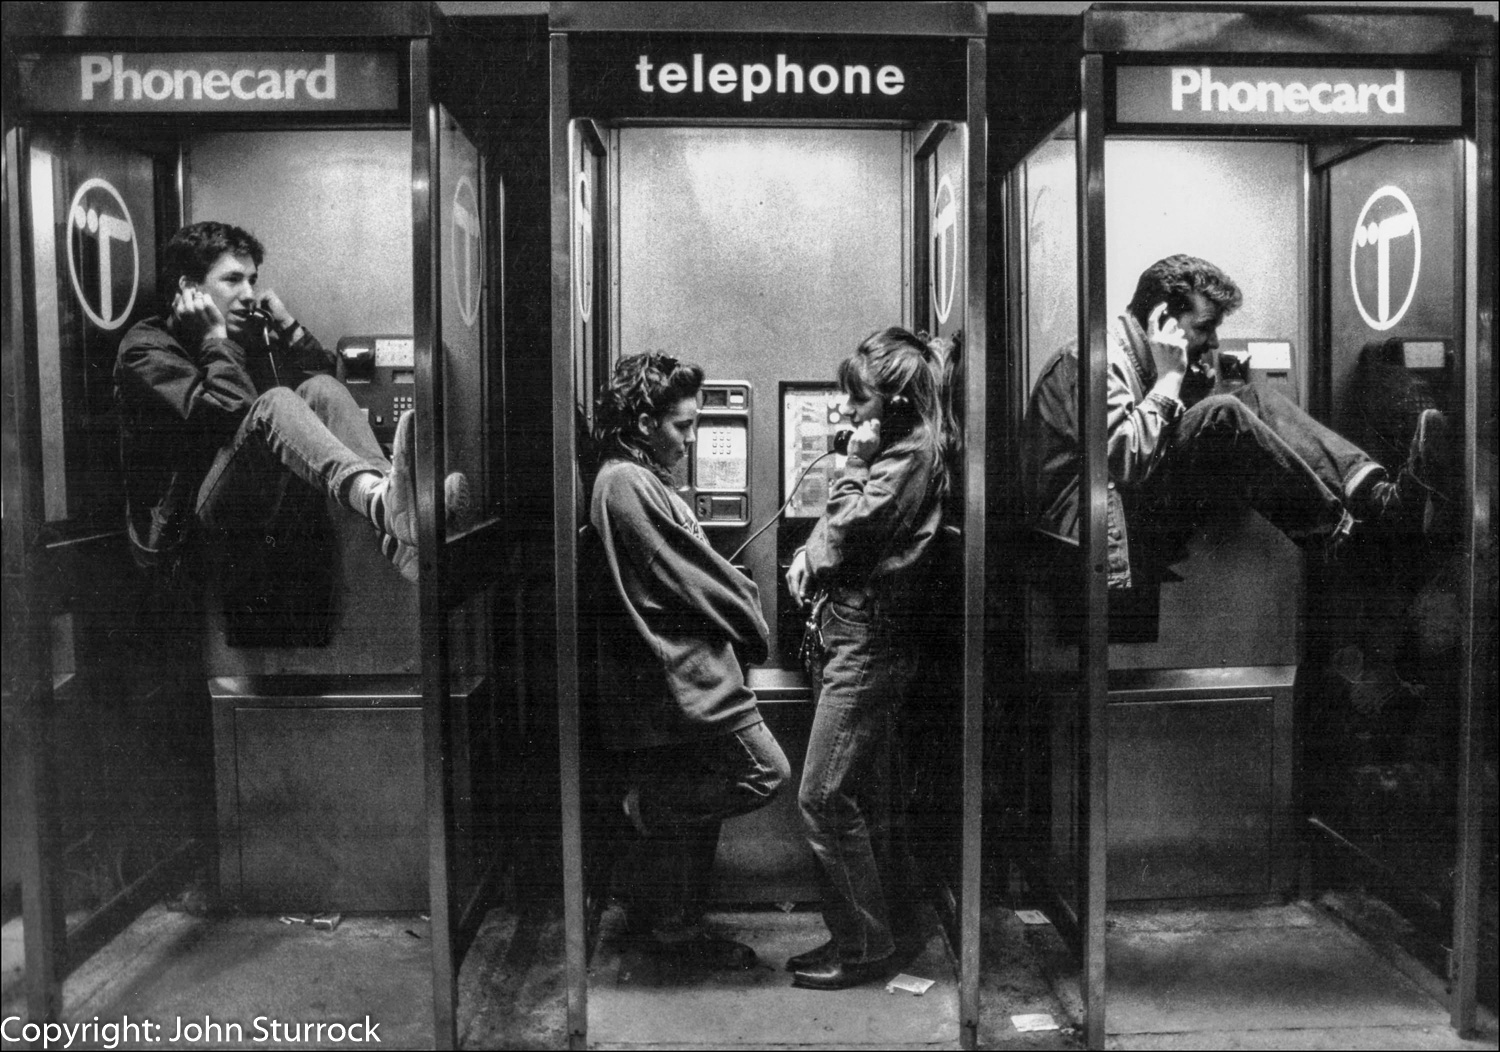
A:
(863, 569)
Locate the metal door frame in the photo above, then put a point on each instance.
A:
(950, 19)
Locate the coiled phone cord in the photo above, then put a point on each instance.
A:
(841, 445)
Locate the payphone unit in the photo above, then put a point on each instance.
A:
(381, 374)
(1258, 360)
(812, 414)
(1430, 360)
(720, 481)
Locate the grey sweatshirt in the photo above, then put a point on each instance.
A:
(677, 676)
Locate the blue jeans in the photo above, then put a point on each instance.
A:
(1259, 444)
(686, 793)
(865, 670)
(317, 433)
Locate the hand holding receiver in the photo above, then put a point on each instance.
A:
(798, 579)
(196, 316)
(281, 318)
(1168, 342)
(865, 442)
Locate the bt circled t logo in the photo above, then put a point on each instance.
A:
(1385, 256)
(945, 247)
(583, 247)
(468, 250)
(104, 255)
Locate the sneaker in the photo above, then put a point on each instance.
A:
(402, 556)
(632, 807)
(1420, 489)
(1426, 481)
(456, 503)
(393, 505)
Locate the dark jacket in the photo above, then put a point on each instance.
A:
(880, 523)
(1138, 428)
(177, 409)
(676, 674)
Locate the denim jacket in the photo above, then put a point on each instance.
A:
(1138, 427)
(881, 521)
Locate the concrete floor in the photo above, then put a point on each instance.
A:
(634, 1001)
(1274, 977)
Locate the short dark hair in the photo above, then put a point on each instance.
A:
(1170, 280)
(194, 249)
(650, 383)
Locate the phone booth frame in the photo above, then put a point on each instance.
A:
(428, 60)
(1118, 35)
(961, 22)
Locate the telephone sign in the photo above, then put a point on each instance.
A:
(104, 255)
(1385, 257)
(944, 265)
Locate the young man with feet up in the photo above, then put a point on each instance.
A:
(226, 393)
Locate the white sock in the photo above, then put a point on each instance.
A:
(366, 490)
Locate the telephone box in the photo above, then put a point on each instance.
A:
(1214, 728)
(348, 139)
(756, 189)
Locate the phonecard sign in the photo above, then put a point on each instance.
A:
(810, 417)
(1289, 96)
(214, 81)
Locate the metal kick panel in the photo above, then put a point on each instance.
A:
(1191, 798)
(329, 808)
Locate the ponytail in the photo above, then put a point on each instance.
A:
(916, 373)
(946, 361)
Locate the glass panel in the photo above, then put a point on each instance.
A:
(475, 746)
(94, 243)
(931, 729)
(587, 253)
(1043, 243)
(465, 334)
(1386, 655)
(469, 366)
(1198, 578)
(1486, 633)
(126, 734)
